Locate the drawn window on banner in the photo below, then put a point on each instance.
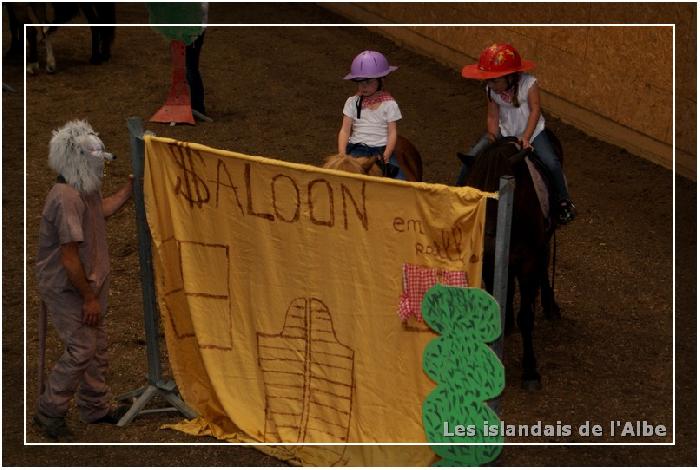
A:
(196, 296)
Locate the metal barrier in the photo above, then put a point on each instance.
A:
(156, 385)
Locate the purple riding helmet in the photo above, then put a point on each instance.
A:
(369, 64)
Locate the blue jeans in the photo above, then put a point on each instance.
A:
(362, 150)
(545, 152)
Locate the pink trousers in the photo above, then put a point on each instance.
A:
(81, 368)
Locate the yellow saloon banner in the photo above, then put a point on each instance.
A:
(279, 286)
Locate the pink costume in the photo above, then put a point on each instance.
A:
(70, 216)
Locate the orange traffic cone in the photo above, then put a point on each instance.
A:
(177, 107)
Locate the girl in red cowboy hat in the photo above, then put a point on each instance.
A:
(514, 111)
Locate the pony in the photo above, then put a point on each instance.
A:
(408, 157)
(24, 13)
(530, 237)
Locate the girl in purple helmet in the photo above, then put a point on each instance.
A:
(369, 116)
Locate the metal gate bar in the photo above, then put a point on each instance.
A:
(156, 385)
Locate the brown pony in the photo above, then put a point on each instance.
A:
(406, 153)
(529, 242)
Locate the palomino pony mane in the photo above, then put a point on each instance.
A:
(358, 165)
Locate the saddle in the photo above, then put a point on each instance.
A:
(542, 181)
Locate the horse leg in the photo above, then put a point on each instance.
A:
(510, 318)
(102, 36)
(549, 304)
(37, 14)
(50, 59)
(15, 26)
(526, 322)
(107, 15)
(32, 51)
(550, 307)
(91, 16)
(95, 56)
(106, 39)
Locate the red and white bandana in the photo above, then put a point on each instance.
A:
(506, 96)
(376, 98)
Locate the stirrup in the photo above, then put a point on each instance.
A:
(567, 212)
(465, 158)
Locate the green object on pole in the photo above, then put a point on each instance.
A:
(467, 374)
(171, 14)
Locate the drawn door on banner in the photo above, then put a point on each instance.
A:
(308, 376)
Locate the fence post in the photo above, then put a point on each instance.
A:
(156, 385)
(500, 272)
(500, 267)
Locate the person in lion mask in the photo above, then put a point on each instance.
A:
(73, 279)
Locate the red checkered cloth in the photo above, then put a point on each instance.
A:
(379, 97)
(417, 280)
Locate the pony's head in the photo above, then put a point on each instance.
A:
(498, 159)
(78, 155)
(360, 165)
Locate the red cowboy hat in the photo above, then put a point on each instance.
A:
(496, 61)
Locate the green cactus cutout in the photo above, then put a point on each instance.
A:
(467, 373)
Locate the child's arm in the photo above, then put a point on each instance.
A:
(344, 134)
(390, 141)
(533, 100)
(492, 120)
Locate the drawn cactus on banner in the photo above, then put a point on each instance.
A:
(467, 373)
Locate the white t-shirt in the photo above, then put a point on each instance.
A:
(372, 128)
(511, 120)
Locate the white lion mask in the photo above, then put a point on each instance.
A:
(78, 154)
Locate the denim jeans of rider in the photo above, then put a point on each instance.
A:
(362, 150)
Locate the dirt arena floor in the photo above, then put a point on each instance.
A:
(277, 91)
